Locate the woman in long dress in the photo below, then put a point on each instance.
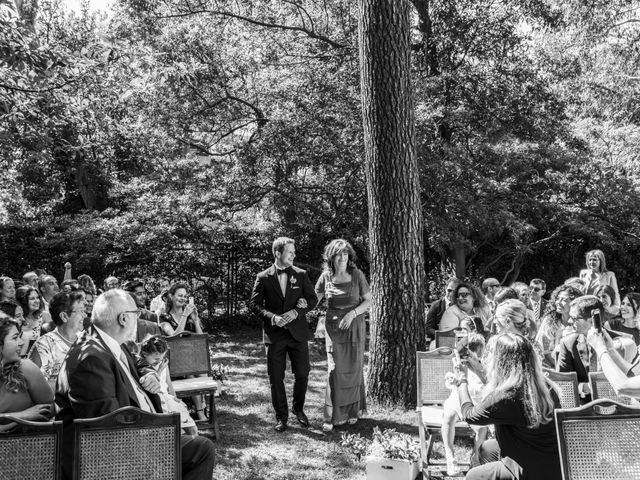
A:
(348, 298)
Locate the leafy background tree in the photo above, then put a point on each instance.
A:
(178, 138)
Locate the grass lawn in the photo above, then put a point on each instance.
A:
(249, 448)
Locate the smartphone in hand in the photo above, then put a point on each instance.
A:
(597, 321)
(192, 301)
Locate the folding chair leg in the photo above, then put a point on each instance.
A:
(213, 418)
(430, 441)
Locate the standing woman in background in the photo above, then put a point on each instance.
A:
(596, 275)
(348, 298)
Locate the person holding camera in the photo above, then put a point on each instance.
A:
(181, 314)
(519, 400)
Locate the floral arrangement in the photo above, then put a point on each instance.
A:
(219, 372)
(385, 444)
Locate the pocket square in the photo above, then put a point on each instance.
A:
(295, 288)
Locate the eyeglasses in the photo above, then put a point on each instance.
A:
(76, 311)
(449, 290)
(463, 294)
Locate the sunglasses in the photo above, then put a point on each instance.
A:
(463, 294)
(535, 289)
(494, 286)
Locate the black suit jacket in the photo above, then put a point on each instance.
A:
(569, 360)
(91, 384)
(267, 301)
(434, 315)
(543, 307)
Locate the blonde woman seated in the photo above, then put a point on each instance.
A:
(596, 275)
(451, 407)
(469, 302)
(519, 400)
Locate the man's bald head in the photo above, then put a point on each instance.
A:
(108, 316)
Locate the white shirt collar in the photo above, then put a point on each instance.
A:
(111, 342)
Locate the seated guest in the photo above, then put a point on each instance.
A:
(153, 350)
(34, 316)
(437, 309)
(157, 303)
(48, 286)
(596, 274)
(606, 294)
(7, 290)
(574, 353)
(24, 392)
(489, 288)
(135, 288)
(181, 314)
(470, 302)
(627, 322)
(554, 322)
(86, 283)
(31, 279)
(111, 283)
(537, 303)
(519, 400)
(69, 285)
(623, 376)
(98, 376)
(67, 311)
(451, 407)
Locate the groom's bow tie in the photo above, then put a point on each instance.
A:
(280, 271)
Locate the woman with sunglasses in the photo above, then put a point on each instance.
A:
(469, 302)
(24, 392)
(67, 311)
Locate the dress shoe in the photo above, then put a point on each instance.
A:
(281, 426)
(302, 418)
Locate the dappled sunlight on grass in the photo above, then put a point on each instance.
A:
(249, 448)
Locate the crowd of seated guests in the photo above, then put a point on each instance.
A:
(97, 350)
(525, 332)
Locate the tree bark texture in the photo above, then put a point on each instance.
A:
(395, 214)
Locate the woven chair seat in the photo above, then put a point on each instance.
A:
(599, 441)
(193, 386)
(30, 450)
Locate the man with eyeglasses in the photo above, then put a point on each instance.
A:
(437, 309)
(537, 289)
(574, 353)
(98, 376)
(489, 288)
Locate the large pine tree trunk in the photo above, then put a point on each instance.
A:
(393, 187)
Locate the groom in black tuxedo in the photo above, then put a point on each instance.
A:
(281, 297)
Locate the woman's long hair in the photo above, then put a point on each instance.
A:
(172, 291)
(515, 369)
(10, 374)
(332, 250)
(551, 304)
(22, 298)
(596, 253)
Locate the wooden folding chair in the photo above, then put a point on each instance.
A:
(431, 368)
(30, 450)
(568, 383)
(446, 338)
(128, 444)
(601, 388)
(189, 356)
(599, 441)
